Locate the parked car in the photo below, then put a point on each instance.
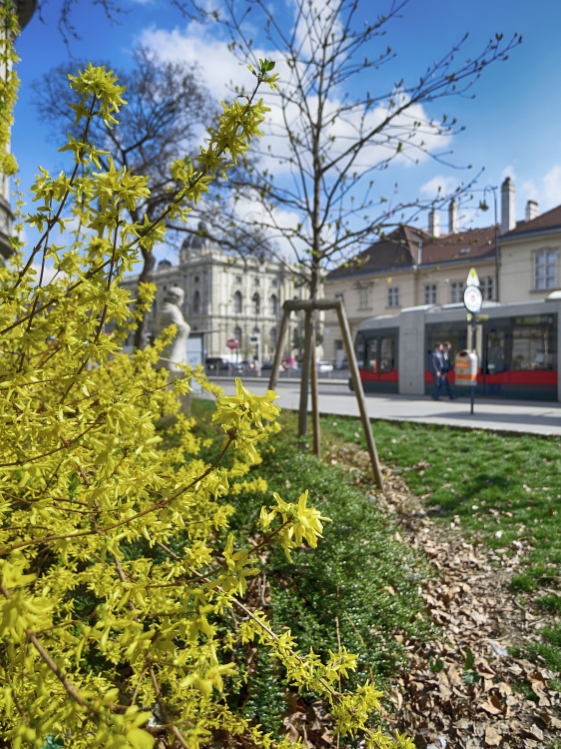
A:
(217, 364)
(266, 366)
(248, 364)
(324, 367)
(342, 365)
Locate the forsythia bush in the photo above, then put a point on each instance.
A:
(113, 575)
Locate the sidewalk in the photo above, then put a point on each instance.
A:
(533, 417)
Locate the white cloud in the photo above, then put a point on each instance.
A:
(508, 171)
(48, 274)
(195, 46)
(440, 186)
(221, 70)
(546, 191)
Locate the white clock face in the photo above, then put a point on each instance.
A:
(473, 299)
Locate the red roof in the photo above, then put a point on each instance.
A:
(407, 245)
(548, 220)
(464, 245)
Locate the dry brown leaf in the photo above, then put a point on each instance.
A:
(482, 667)
(504, 688)
(492, 736)
(454, 676)
(490, 708)
(534, 733)
(396, 697)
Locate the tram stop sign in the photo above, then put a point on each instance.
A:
(473, 299)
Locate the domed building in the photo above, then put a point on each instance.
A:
(227, 297)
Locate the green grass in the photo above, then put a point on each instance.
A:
(499, 488)
(359, 585)
(496, 488)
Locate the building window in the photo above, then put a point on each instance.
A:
(393, 296)
(363, 297)
(196, 279)
(275, 282)
(274, 305)
(273, 335)
(238, 279)
(256, 281)
(457, 292)
(256, 301)
(488, 288)
(340, 296)
(238, 302)
(238, 335)
(545, 270)
(430, 293)
(197, 303)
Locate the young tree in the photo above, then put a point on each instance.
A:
(333, 129)
(167, 109)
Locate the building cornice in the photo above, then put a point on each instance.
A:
(535, 234)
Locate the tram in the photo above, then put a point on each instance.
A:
(518, 349)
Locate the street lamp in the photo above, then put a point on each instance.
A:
(484, 207)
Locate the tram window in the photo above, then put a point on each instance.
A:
(532, 347)
(372, 355)
(496, 358)
(386, 354)
(360, 348)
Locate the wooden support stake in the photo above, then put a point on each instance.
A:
(359, 392)
(274, 377)
(315, 403)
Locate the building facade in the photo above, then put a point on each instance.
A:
(227, 298)
(407, 269)
(516, 261)
(531, 257)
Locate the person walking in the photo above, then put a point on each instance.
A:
(437, 369)
(448, 367)
(439, 365)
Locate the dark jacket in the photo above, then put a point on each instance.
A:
(448, 364)
(436, 362)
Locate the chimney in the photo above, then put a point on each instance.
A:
(453, 227)
(508, 206)
(532, 210)
(434, 223)
(420, 254)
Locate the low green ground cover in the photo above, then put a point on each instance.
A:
(497, 488)
(359, 587)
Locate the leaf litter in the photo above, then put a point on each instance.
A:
(463, 689)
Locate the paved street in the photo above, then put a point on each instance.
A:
(335, 398)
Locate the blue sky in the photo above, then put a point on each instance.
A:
(513, 126)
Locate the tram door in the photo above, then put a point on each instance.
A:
(377, 354)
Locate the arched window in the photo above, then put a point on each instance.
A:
(238, 302)
(238, 335)
(273, 335)
(256, 300)
(197, 303)
(274, 305)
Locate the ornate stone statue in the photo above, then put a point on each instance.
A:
(171, 314)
